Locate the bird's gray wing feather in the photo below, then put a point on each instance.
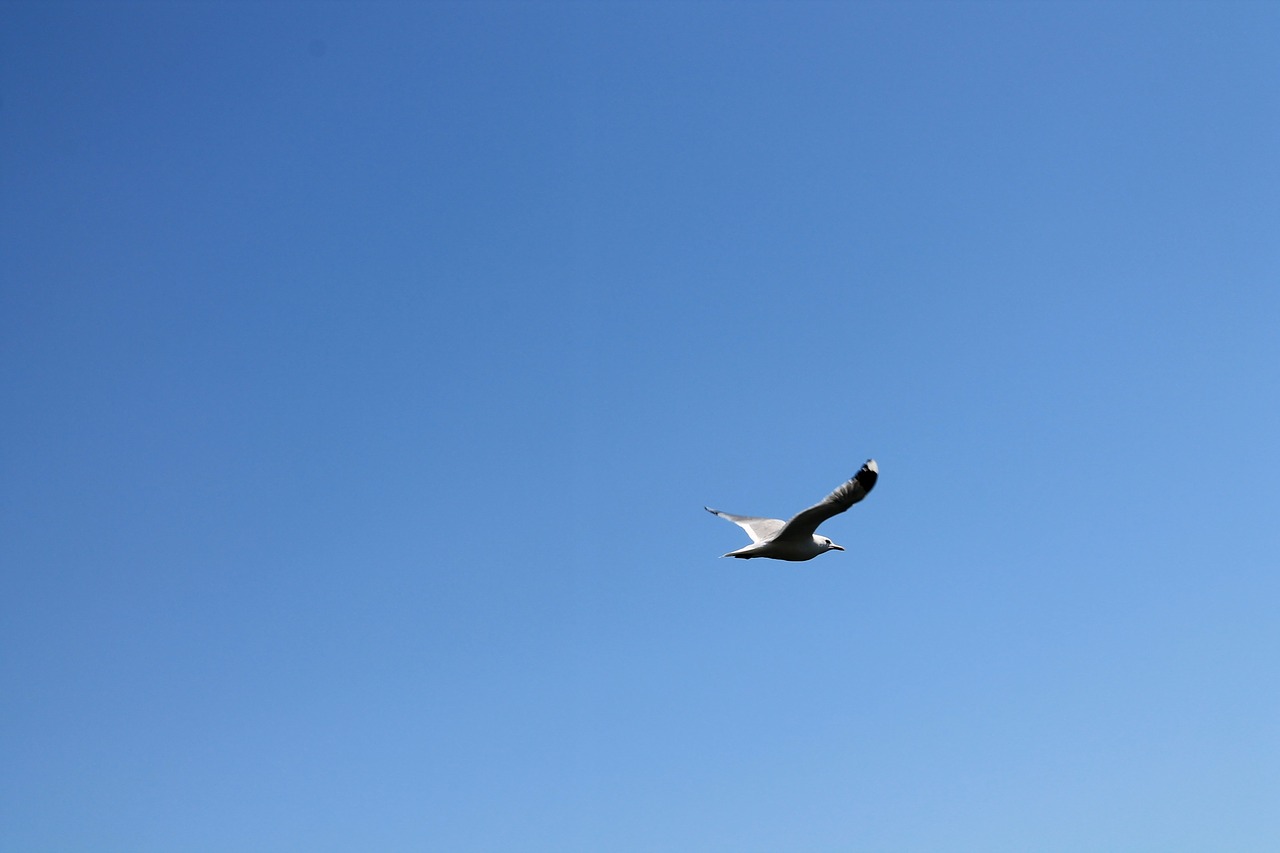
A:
(759, 529)
(805, 523)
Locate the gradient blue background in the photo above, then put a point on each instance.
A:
(365, 370)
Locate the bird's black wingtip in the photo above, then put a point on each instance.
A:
(868, 475)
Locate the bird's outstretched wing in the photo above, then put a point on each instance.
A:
(805, 523)
(759, 529)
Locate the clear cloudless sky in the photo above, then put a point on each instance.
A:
(366, 368)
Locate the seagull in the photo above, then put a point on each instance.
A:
(797, 539)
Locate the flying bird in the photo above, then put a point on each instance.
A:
(798, 539)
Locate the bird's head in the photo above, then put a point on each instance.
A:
(822, 540)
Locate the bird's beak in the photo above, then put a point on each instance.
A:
(835, 547)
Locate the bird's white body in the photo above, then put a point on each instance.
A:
(784, 550)
(797, 540)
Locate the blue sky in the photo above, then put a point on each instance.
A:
(366, 368)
